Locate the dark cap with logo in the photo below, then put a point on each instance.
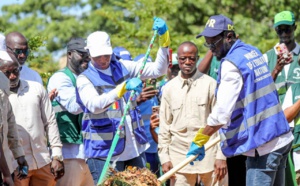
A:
(77, 44)
(215, 25)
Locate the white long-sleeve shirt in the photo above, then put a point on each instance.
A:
(98, 103)
(36, 123)
(228, 92)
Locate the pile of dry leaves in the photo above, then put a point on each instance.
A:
(132, 176)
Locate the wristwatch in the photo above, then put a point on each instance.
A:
(58, 158)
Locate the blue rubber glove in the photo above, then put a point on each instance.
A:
(196, 150)
(162, 30)
(159, 25)
(134, 84)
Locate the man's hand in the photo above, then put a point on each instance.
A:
(220, 169)
(162, 30)
(52, 94)
(23, 168)
(281, 61)
(130, 84)
(196, 151)
(154, 121)
(8, 181)
(57, 169)
(146, 94)
(167, 167)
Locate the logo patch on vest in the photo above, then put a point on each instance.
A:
(296, 73)
(114, 106)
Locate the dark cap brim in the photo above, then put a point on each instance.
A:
(283, 23)
(209, 33)
(77, 49)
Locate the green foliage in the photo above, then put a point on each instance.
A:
(41, 60)
(50, 24)
(34, 44)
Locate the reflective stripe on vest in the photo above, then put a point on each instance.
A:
(255, 95)
(100, 136)
(107, 114)
(58, 108)
(252, 121)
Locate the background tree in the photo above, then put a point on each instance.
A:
(129, 22)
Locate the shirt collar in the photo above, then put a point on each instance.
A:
(23, 86)
(190, 81)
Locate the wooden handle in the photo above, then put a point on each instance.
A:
(168, 174)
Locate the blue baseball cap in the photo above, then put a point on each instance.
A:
(141, 56)
(215, 25)
(122, 53)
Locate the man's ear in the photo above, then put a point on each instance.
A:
(229, 36)
(69, 54)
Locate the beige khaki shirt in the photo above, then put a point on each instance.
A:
(184, 109)
(9, 133)
(36, 123)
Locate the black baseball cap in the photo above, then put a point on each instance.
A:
(77, 44)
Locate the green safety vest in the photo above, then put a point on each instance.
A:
(69, 125)
(283, 82)
(214, 68)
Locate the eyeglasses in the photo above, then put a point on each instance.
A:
(213, 45)
(286, 30)
(184, 58)
(83, 55)
(15, 72)
(18, 51)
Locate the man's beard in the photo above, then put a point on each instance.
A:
(14, 84)
(225, 49)
(75, 65)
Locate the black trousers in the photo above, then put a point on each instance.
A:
(237, 170)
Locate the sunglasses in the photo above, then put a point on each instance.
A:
(15, 72)
(213, 45)
(286, 30)
(83, 55)
(18, 51)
